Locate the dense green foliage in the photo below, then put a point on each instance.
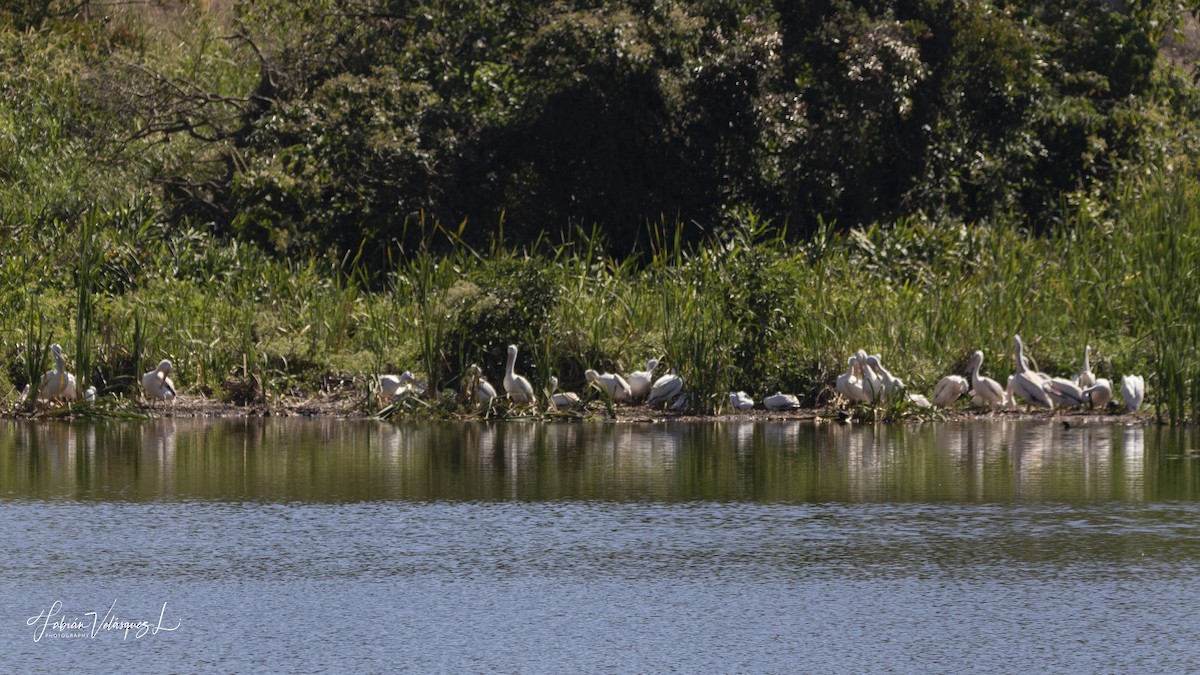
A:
(317, 125)
(748, 310)
(269, 193)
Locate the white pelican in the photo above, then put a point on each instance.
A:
(481, 391)
(891, 384)
(949, 389)
(1133, 391)
(58, 383)
(872, 382)
(392, 387)
(682, 401)
(1085, 377)
(987, 391)
(850, 386)
(1026, 382)
(157, 386)
(613, 385)
(89, 394)
(1100, 393)
(561, 399)
(740, 401)
(640, 381)
(781, 401)
(1064, 392)
(518, 388)
(665, 388)
(918, 400)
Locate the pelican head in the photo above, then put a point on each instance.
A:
(164, 367)
(590, 375)
(56, 352)
(553, 383)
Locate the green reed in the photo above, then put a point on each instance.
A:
(34, 355)
(85, 310)
(746, 309)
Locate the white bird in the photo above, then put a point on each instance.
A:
(89, 394)
(918, 400)
(612, 384)
(157, 386)
(892, 385)
(740, 401)
(1064, 392)
(1133, 391)
(1085, 377)
(872, 382)
(949, 389)
(392, 387)
(561, 399)
(518, 388)
(681, 402)
(850, 386)
(781, 401)
(987, 391)
(480, 390)
(640, 381)
(1100, 393)
(58, 383)
(665, 388)
(1026, 382)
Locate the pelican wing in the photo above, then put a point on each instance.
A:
(1064, 392)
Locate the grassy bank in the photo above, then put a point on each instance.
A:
(171, 172)
(746, 310)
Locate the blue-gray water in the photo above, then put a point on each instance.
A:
(303, 545)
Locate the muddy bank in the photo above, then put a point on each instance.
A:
(351, 405)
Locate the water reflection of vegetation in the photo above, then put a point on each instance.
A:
(742, 461)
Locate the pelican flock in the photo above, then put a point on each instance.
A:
(865, 381)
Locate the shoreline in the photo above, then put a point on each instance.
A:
(348, 406)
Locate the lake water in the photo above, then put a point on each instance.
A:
(359, 546)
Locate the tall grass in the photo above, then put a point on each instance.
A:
(746, 310)
(1162, 264)
(85, 280)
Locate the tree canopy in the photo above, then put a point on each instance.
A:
(322, 124)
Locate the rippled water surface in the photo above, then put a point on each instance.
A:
(356, 546)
